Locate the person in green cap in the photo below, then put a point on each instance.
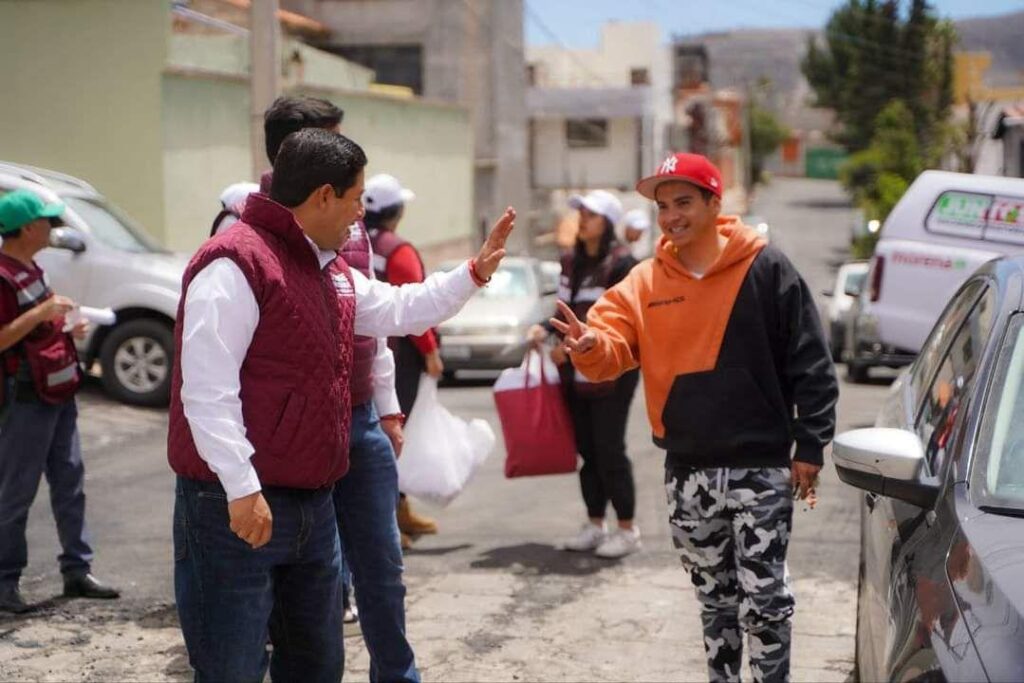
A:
(39, 434)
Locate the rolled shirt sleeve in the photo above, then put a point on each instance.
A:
(383, 310)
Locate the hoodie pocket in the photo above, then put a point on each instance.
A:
(721, 411)
(287, 424)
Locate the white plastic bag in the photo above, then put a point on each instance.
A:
(441, 452)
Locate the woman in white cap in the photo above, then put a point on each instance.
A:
(600, 411)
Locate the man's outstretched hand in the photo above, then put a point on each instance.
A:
(490, 255)
(578, 338)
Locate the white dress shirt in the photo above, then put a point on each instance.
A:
(220, 318)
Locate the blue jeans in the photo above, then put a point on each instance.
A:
(365, 500)
(230, 596)
(38, 439)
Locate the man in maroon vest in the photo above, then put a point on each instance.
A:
(261, 412)
(364, 500)
(40, 418)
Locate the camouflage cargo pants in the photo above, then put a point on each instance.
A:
(731, 527)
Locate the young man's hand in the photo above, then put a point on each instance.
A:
(536, 335)
(805, 480)
(395, 434)
(490, 255)
(578, 337)
(251, 519)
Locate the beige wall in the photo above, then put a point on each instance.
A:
(430, 150)
(206, 147)
(81, 95)
(555, 165)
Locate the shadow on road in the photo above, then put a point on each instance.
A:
(537, 558)
(822, 204)
(445, 550)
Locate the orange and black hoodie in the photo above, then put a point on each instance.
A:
(735, 364)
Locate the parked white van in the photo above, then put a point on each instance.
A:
(102, 259)
(940, 232)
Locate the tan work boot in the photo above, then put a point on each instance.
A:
(411, 523)
(406, 540)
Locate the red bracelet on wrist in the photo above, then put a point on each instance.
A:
(477, 280)
(394, 416)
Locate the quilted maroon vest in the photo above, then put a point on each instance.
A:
(295, 396)
(356, 253)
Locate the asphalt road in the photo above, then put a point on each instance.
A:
(490, 597)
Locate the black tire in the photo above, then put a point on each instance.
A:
(857, 373)
(152, 341)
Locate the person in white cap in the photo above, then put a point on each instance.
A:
(638, 233)
(232, 203)
(600, 410)
(397, 262)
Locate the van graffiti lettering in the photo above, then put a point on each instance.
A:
(926, 261)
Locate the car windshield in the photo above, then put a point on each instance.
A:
(509, 282)
(999, 472)
(110, 226)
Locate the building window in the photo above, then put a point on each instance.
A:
(582, 133)
(639, 77)
(392, 64)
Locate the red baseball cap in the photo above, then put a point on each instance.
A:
(695, 169)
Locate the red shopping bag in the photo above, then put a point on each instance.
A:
(538, 432)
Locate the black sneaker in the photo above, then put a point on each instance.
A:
(85, 585)
(12, 602)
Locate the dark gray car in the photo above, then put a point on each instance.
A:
(941, 587)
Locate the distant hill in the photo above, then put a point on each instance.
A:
(740, 57)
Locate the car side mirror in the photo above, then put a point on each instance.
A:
(827, 293)
(888, 462)
(852, 289)
(67, 238)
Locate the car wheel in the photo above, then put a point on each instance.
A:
(857, 373)
(137, 357)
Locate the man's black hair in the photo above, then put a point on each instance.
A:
(290, 114)
(312, 158)
(706, 194)
(378, 219)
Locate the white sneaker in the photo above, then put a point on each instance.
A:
(620, 543)
(590, 537)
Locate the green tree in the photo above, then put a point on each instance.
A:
(872, 55)
(878, 176)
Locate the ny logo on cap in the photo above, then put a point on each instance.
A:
(669, 165)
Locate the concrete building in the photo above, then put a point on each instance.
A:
(468, 52)
(141, 100)
(598, 117)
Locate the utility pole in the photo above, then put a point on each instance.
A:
(265, 73)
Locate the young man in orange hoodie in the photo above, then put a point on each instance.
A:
(736, 370)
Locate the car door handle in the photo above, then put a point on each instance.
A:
(870, 499)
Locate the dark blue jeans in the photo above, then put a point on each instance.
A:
(230, 596)
(365, 500)
(38, 439)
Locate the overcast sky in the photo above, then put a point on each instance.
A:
(577, 23)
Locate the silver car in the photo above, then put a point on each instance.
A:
(489, 333)
(102, 259)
